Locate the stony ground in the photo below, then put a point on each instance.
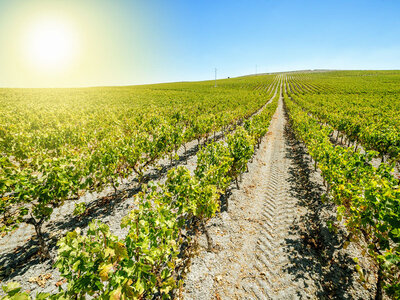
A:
(18, 250)
(272, 242)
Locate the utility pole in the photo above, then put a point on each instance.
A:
(215, 77)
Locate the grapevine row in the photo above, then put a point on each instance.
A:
(366, 116)
(367, 198)
(144, 264)
(40, 171)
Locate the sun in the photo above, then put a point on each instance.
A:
(51, 44)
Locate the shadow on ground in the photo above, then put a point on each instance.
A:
(20, 260)
(316, 253)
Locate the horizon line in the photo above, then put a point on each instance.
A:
(188, 81)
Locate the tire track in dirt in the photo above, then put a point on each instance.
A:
(278, 214)
(252, 259)
(278, 211)
(273, 243)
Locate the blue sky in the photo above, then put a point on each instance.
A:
(133, 42)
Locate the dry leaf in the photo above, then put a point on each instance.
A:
(41, 279)
(61, 282)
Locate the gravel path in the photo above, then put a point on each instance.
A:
(273, 242)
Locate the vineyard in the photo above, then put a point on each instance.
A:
(130, 192)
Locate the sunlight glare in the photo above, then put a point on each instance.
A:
(51, 45)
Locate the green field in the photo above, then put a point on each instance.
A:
(60, 144)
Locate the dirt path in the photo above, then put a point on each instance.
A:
(273, 243)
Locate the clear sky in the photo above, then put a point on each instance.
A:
(63, 43)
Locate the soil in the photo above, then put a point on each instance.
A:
(273, 242)
(19, 259)
(270, 241)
